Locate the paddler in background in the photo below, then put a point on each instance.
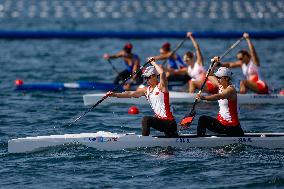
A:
(175, 64)
(196, 70)
(132, 63)
(157, 94)
(250, 64)
(227, 121)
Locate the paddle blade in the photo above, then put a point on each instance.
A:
(187, 120)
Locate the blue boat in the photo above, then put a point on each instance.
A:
(60, 86)
(79, 85)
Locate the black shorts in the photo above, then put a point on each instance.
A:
(169, 127)
(212, 124)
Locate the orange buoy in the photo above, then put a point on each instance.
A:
(19, 82)
(133, 110)
(281, 92)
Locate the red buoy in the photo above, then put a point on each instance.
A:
(281, 92)
(133, 110)
(19, 82)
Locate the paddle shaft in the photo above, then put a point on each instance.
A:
(114, 68)
(175, 50)
(210, 68)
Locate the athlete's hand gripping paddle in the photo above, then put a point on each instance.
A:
(188, 118)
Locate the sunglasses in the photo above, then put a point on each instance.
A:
(147, 78)
(187, 59)
(240, 58)
(219, 78)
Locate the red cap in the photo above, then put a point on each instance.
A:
(128, 46)
(166, 46)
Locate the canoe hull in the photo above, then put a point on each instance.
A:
(112, 141)
(79, 85)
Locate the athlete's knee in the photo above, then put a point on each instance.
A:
(146, 126)
(145, 120)
(244, 82)
(202, 120)
(194, 83)
(201, 128)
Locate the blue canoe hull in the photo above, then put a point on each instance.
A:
(57, 86)
(80, 85)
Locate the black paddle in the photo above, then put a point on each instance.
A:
(113, 67)
(188, 118)
(120, 85)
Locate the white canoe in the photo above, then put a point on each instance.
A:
(183, 97)
(112, 141)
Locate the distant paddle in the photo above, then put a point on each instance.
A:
(113, 67)
(120, 85)
(188, 118)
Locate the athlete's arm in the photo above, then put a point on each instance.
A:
(253, 53)
(180, 71)
(128, 94)
(161, 57)
(163, 79)
(117, 55)
(235, 64)
(211, 76)
(226, 94)
(199, 57)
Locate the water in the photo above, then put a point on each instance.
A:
(45, 113)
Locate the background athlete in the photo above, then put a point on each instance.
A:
(250, 64)
(175, 64)
(132, 63)
(196, 70)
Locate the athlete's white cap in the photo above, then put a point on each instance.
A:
(150, 70)
(223, 71)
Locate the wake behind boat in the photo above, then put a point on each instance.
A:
(112, 141)
(184, 97)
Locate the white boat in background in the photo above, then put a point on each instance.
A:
(112, 141)
(184, 97)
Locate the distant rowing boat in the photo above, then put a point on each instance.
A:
(79, 85)
(59, 86)
(112, 141)
(184, 97)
